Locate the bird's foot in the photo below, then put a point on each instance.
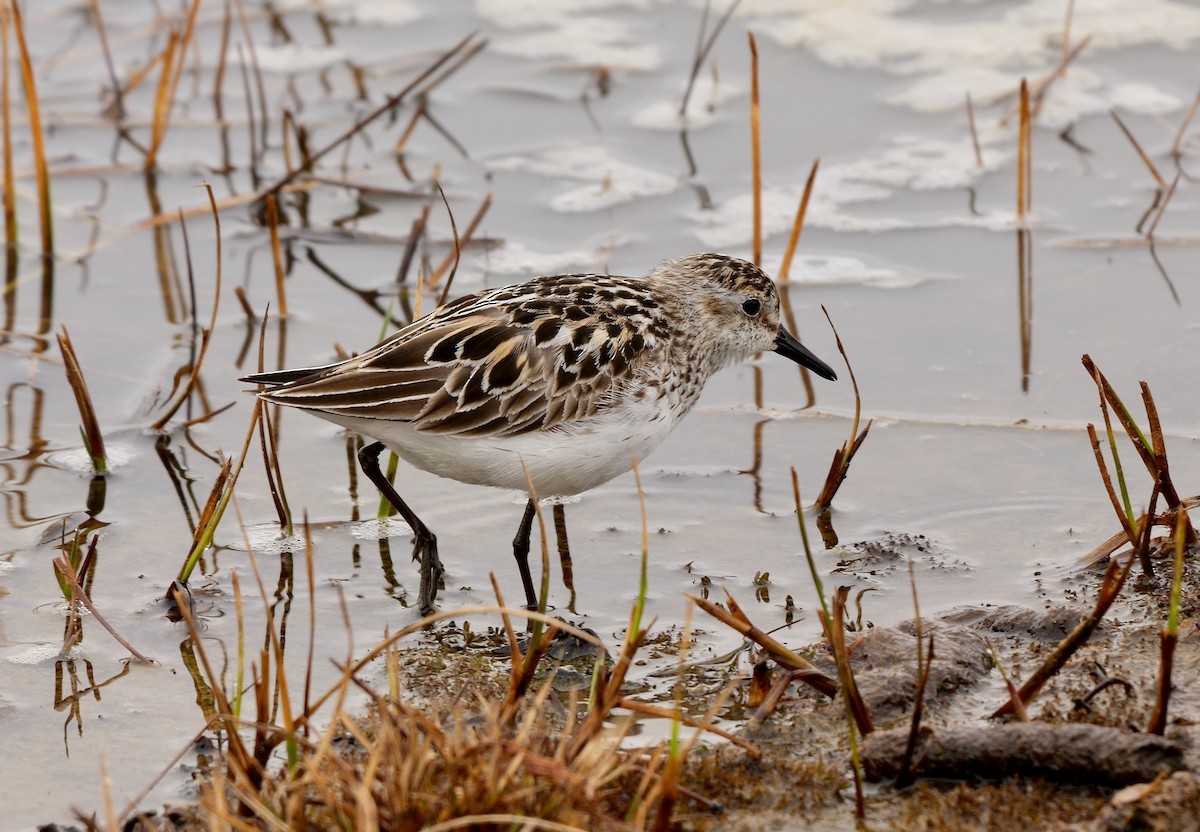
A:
(425, 550)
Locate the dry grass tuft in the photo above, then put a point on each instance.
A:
(467, 767)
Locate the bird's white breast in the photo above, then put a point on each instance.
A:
(561, 461)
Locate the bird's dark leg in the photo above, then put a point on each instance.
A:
(521, 553)
(424, 542)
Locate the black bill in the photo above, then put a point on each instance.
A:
(789, 346)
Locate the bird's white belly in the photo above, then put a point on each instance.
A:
(566, 460)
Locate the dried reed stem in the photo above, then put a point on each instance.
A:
(1114, 579)
(840, 467)
(11, 230)
(1146, 160)
(755, 149)
(798, 223)
(41, 169)
(1024, 154)
(277, 255)
(185, 390)
(64, 568)
(1187, 119)
(93, 438)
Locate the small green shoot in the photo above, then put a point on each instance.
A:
(1169, 637)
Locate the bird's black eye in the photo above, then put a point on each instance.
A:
(752, 307)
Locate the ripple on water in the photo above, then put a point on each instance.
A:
(77, 459)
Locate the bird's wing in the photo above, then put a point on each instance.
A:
(487, 365)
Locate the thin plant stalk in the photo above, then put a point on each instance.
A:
(63, 568)
(93, 438)
(924, 666)
(855, 708)
(463, 46)
(755, 149)
(217, 501)
(840, 467)
(1187, 119)
(451, 261)
(860, 807)
(798, 223)
(11, 231)
(974, 132)
(804, 670)
(1169, 637)
(1014, 696)
(186, 388)
(41, 169)
(1024, 152)
(1146, 160)
(277, 254)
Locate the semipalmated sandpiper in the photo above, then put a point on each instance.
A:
(567, 377)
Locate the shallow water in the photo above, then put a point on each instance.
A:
(983, 475)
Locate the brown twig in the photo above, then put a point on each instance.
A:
(385, 107)
(64, 569)
(840, 466)
(835, 632)
(812, 677)
(1146, 160)
(1114, 579)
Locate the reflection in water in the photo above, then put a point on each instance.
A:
(825, 525)
(180, 481)
(1025, 301)
(285, 593)
(11, 262)
(1162, 271)
(1150, 237)
(368, 296)
(72, 702)
(204, 693)
(755, 469)
(169, 286)
(46, 312)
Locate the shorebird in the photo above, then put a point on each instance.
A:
(566, 379)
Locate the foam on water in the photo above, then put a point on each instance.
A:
(609, 181)
(515, 258)
(986, 56)
(77, 459)
(362, 12)
(567, 32)
(376, 529)
(297, 57)
(910, 163)
(702, 110)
